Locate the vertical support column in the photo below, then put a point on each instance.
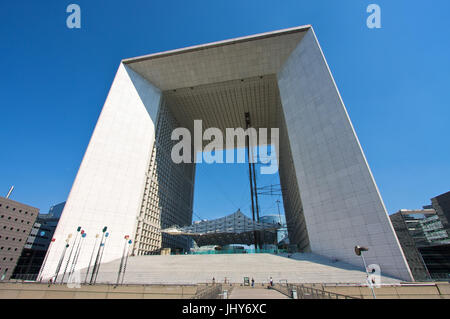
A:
(341, 203)
(250, 172)
(108, 188)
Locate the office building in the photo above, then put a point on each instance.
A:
(37, 244)
(16, 221)
(421, 234)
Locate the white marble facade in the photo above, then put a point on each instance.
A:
(107, 190)
(340, 200)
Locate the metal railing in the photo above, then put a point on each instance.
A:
(209, 292)
(298, 291)
(304, 292)
(235, 251)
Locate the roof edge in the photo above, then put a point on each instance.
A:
(210, 45)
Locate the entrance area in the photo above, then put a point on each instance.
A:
(171, 187)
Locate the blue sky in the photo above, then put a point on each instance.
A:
(394, 82)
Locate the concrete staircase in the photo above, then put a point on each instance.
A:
(193, 269)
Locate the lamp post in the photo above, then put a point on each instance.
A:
(126, 261)
(62, 257)
(92, 255)
(359, 252)
(70, 255)
(121, 259)
(77, 252)
(101, 256)
(98, 255)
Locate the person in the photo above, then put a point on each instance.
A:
(214, 281)
(253, 282)
(271, 282)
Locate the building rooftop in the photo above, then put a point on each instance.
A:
(220, 61)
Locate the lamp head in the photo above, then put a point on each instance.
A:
(359, 249)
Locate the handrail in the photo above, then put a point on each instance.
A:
(304, 292)
(211, 292)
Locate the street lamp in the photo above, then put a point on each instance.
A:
(122, 259)
(359, 252)
(71, 251)
(62, 257)
(92, 255)
(126, 260)
(94, 270)
(77, 253)
(102, 246)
